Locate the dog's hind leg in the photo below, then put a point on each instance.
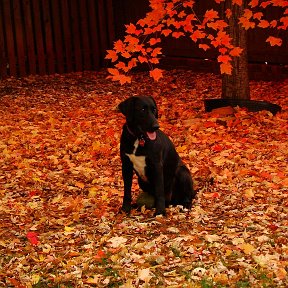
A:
(183, 192)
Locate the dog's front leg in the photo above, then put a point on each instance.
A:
(127, 174)
(159, 189)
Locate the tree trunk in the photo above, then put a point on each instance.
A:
(236, 85)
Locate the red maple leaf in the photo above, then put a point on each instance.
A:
(226, 68)
(274, 41)
(131, 28)
(211, 15)
(237, 2)
(253, 3)
(177, 34)
(236, 51)
(154, 41)
(112, 55)
(33, 238)
(204, 46)
(119, 46)
(263, 24)
(166, 32)
(156, 74)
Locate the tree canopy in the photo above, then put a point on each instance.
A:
(142, 42)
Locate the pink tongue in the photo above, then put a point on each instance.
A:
(151, 135)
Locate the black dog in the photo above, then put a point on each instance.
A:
(150, 153)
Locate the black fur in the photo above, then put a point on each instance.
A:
(165, 176)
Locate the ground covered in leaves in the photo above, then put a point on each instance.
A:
(61, 187)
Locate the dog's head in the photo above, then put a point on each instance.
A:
(141, 115)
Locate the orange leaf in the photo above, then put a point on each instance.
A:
(156, 74)
(156, 51)
(119, 46)
(126, 54)
(142, 59)
(154, 60)
(130, 29)
(263, 24)
(273, 23)
(228, 13)
(253, 3)
(166, 32)
(204, 46)
(224, 58)
(218, 25)
(121, 65)
(217, 148)
(131, 40)
(111, 55)
(197, 35)
(131, 64)
(177, 34)
(223, 50)
(182, 14)
(116, 76)
(236, 51)
(211, 14)
(188, 4)
(246, 23)
(284, 20)
(247, 13)
(80, 185)
(274, 41)
(237, 2)
(258, 15)
(265, 4)
(226, 68)
(123, 79)
(113, 71)
(154, 41)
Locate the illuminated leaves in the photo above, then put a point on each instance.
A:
(116, 76)
(112, 55)
(226, 68)
(156, 74)
(236, 51)
(61, 197)
(274, 41)
(172, 19)
(33, 238)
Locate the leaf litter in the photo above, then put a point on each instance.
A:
(61, 186)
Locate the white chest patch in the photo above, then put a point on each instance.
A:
(139, 162)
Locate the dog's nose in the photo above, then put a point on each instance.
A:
(155, 126)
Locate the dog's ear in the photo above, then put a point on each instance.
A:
(127, 107)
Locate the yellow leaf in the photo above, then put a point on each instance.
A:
(247, 248)
(93, 280)
(35, 278)
(249, 193)
(68, 229)
(92, 192)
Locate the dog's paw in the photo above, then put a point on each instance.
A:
(126, 209)
(160, 212)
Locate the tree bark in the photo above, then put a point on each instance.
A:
(236, 85)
